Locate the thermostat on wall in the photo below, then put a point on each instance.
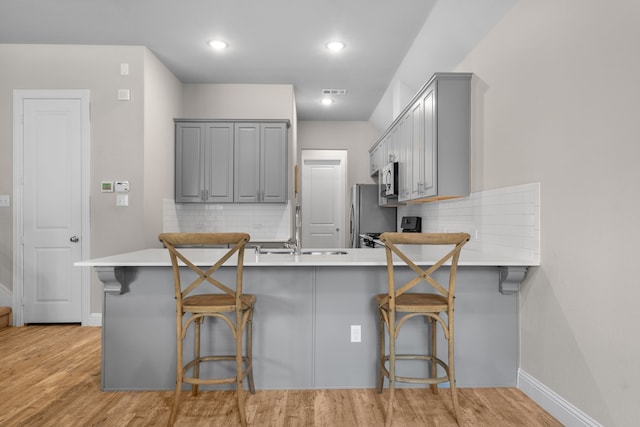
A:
(106, 186)
(122, 186)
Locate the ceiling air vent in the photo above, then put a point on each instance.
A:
(334, 91)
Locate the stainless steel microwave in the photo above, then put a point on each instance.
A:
(389, 180)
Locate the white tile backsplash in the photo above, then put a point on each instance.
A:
(505, 221)
(264, 222)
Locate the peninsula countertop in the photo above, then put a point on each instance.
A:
(159, 257)
(307, 304)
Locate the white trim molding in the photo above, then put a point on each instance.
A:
(95, 319)
(6, 296)
(553, 403)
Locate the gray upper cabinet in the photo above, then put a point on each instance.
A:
(204, 162)
(260, 163)
(234, 161)
(432, 138)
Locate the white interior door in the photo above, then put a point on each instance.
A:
(53, 134)
(323, 198)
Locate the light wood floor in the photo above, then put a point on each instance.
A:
(50, 376)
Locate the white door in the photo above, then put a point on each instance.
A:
(323, 198)
(52, 136)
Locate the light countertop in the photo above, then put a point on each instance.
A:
(354, 257)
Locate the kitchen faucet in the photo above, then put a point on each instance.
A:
(295, 242)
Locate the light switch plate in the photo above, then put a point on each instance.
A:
(122, 200)
(5, 202)
(124, 95)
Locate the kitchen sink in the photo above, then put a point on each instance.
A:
(324, 252)
(304, 252)
(274, 251)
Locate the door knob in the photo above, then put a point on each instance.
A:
(74, 239)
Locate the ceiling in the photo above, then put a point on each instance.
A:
(270, 41)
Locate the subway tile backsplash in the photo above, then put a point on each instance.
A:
(504, 221)
(264, 222)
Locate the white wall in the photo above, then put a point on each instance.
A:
(449, 33)
(355, 137)
(556, 101)
(116, 136)
(162, 103)
(238, 101)
(561, 107)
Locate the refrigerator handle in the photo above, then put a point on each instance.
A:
(351, 231)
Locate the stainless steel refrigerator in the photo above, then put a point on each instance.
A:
(366, 216)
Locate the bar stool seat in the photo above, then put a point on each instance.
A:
(408, 303)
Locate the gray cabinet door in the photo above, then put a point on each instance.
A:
(218, 158)
(415, 151)
(273, 174)
(427, 151)
(189, 179)
(260, 173)
(247, 163)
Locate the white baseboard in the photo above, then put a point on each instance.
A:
(553, 403)
(95, 319)
(6, 300)
(6, 297)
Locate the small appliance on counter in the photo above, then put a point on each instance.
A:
(411, 224)
(371, 240)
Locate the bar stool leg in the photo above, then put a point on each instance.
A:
(392, 367)
(381, 334)
(451, 374)
(179, 374)
(434, 352)
(252, 387)
(239, 389)
(196, 355)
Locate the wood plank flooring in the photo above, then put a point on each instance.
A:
(50, 376)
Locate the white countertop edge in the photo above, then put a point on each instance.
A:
(354, 257)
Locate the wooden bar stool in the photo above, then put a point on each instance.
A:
(398, 301)
(228, 304)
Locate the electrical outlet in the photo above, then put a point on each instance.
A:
(356, 333)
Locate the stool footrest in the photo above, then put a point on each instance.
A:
(416, 380)
(210, 381)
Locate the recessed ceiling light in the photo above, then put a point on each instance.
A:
(327, 101)
(218, 44)
(335, 46)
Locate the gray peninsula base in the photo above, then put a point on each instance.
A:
(302, 325)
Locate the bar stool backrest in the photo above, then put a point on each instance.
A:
(175, 242)
(391, 240)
